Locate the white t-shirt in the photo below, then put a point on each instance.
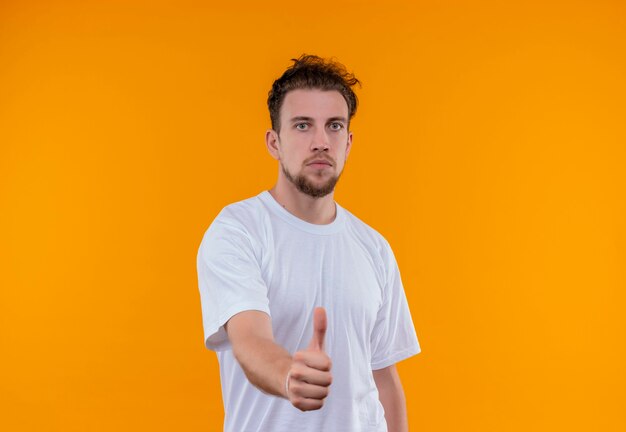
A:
(258, 256)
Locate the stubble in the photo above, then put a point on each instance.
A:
(304, 185)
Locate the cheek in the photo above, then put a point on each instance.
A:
(290, 158)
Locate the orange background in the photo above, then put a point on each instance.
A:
(489, 149)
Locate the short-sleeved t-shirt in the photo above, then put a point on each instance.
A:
(258, 256)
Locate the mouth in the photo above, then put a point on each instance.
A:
(320, 163)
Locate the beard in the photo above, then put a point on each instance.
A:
(304, 185)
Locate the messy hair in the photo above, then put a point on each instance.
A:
(312, 72)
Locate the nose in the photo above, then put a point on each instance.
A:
(320, 141)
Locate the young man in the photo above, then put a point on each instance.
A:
(302, 301)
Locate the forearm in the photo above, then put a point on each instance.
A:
(392, 398)
(265, 364)
(395, 410)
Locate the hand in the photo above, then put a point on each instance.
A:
(309, 375)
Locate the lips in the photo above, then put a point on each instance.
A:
(320, 162)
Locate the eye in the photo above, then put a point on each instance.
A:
(302, 126)
(336, 126)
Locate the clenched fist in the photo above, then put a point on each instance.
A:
(309, 377)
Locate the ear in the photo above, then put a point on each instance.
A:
(349, 145)
(271, 141)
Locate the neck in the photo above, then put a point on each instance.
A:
(319, 211)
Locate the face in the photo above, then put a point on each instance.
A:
(313, 142)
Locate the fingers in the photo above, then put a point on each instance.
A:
(308, 388)
(302, 370)
(308, 391)
(313, 359)
(304, 404)
(319, 329)
(309, 377)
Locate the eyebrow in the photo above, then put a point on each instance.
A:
(310, 119)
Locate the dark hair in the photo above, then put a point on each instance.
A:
(312, 72)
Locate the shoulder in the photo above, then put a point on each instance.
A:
(365, 231)
(371, 239)
(242, 215)
(241, 212)
(241, 221)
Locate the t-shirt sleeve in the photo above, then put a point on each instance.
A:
(229, 279)
(393, 338)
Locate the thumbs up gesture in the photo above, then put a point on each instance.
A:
(309, 377)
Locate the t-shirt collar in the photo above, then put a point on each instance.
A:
(335, 226)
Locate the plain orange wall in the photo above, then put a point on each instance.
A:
(489, 149)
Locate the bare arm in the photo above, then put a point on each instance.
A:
(267, 364)
(392, 397)
(264, 362)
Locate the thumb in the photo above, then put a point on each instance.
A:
(319, 329)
